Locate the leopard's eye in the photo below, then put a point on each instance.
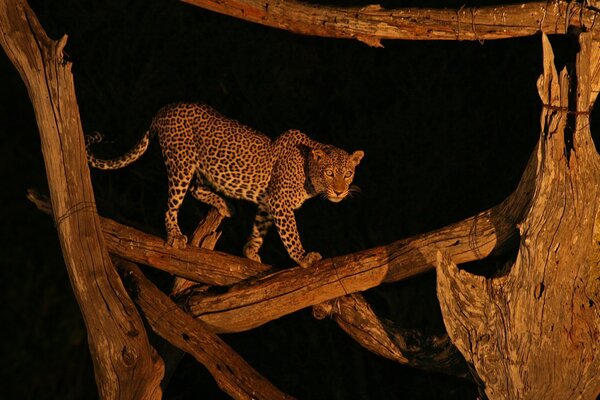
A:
(329, 172)
(348, 174)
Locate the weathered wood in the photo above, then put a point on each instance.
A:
(205, 236)
(405, 346)
(193, 263)
(534, 331)
(372, 23)
(233, 375)
(125, 364)
(257, 301)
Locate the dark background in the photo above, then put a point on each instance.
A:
(447, 128)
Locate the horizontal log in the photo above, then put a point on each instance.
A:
(193, 263)
(372, 23)
(255, 302)
(252, 303)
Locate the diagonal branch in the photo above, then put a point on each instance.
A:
(232, 373)
(371, 24)
(405, 346)
(253, 303)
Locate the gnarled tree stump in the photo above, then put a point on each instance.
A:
(534, 332)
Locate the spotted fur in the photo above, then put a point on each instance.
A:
(207, 153)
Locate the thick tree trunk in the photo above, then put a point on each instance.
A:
(534, 332)
(125, 364)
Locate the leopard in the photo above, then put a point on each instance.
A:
(210, 155)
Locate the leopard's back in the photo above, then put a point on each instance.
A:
(231, 157)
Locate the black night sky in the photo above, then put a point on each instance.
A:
(447, 128)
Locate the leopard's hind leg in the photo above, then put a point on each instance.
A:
(180, 175)
(206, 195)
(262, 223)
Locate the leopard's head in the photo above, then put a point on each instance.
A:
(332, 171)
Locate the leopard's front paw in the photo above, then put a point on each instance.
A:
(309, 259)
(177, 241)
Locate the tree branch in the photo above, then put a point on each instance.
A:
(371, 24)
(255, 302)
(125, 364)
(193, 263)
(233, 375)
(409, 347)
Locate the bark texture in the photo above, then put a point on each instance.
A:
(233, 375)
(372, 23)
(381, 336)
(533, 332)
(352, 313)
(125, 364)
(197, 264)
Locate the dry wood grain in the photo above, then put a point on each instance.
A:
(256, 301)
(125, 364)
(371, 24)
(232, 373)
(411, 347)
(193, 263)
(533, 332)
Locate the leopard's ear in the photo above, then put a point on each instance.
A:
(356, 157)
(318, 154)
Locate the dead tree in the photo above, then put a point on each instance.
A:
(530, 331)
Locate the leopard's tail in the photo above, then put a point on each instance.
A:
(119, 162)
